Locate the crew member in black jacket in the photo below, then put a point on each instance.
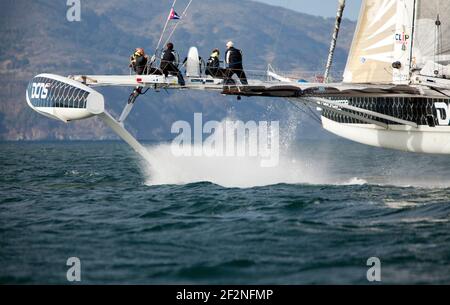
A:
(233, 59)
(138, 61)
(213, 65)
(169, 63)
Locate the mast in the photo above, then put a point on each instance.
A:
(337, 27)
(413, 28)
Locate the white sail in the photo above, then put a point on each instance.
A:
(431, 39)
(383, 37)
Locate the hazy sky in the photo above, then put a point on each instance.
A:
(327, 8)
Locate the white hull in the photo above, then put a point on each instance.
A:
(431, 140)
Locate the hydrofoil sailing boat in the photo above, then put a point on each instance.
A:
(395, 91)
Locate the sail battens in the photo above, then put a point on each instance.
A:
(384, 27)
(384, 8)
(372, 48)
(382, 57)
(386, 42)
(381, 48)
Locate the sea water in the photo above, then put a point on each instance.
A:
(316, 218)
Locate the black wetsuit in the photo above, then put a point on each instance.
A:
(168, 66)
(233, 58)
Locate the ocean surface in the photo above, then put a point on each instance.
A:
(315, 219)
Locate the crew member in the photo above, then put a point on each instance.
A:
(213, 65)
(138, 61)
(233, 59)
(169, 64)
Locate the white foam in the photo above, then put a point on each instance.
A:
(397, 205)
(244, 172)
(354, 181)
(241, 172)
(295, 167)
(424, 219)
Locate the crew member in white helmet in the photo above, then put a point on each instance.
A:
(233, 59)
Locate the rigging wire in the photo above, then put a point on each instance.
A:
(183, 15)
(437, 45)
(439, 91)
(165, 27)
(280, 29)
(310, 114)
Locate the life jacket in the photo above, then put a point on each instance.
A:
(135, 56)
(139, 63)
(213, 61)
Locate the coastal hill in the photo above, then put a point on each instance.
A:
(37, 38)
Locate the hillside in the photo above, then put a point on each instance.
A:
(44, 41)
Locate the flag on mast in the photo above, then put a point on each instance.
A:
(173, 15)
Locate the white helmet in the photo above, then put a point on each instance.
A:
(230, 44)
